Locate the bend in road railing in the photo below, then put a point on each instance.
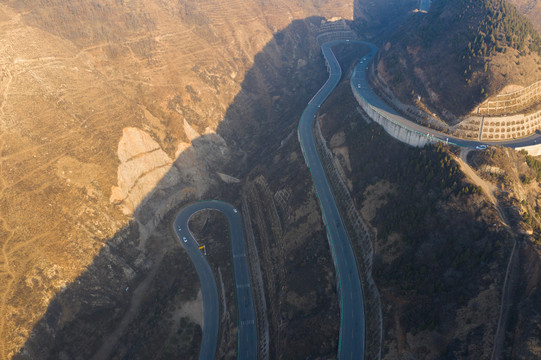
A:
(389, 118)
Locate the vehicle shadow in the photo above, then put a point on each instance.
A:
(119, 307)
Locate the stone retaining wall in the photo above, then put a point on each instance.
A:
(511, 102)
(334, 30)
(474, 127)
(505, 127)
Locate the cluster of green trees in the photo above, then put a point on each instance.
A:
(478, 29)
(443, 240)
(435, 231)
(493, 26)
(535, 165)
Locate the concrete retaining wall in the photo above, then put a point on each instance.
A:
(397, 131)
(382, 89)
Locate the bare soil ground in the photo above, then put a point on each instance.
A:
(75, 75)
(518, 191)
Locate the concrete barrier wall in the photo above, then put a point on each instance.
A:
(380, 86)
(533, 150)
(334, 36)
(396, 130)
(478, 128)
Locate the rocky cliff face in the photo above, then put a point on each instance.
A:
(113, 112)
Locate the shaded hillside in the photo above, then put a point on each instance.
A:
(379, 19)
(460, 53)
(519, 176)
(440, 250)
(112, 114)
(108, 119)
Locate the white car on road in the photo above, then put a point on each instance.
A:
(481, 147)
(184, 239)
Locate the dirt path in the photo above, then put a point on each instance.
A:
(489, 189)
(7, 272)
(5, 93)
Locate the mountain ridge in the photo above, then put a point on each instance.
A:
(70, 89)
(460, 53)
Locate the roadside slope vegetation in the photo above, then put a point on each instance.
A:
(440, 250)
(460, 53)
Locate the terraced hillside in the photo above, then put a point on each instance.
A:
(108, 119)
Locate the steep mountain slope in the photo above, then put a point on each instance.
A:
(108, 119)
(532, 10)
(521, 178)
(459, 277)
(379, 19)
(460, 53)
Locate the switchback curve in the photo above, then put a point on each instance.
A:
(247, 330)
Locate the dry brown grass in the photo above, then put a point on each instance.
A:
(74, 75)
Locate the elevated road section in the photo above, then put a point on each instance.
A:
(408, 131)
(247, 334)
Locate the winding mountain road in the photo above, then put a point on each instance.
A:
(352, 320)
(360, 83)
(247, 335)
(352, 317)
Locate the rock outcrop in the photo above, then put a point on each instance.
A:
(176, 82)
(144, 167)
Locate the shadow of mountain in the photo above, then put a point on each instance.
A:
(135, 286)
(376, 21)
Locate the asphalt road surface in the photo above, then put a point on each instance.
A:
(352, 321)
(247, 335)
(360, 83)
